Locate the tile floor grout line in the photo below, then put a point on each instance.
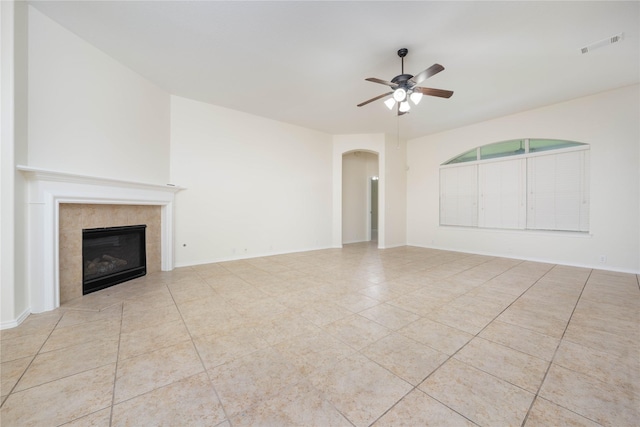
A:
(321, 393)
(558, 345)
(477, 336)
(61, 378)
(555, 352)
(12, 391)
(55, 379)
(359, 352)
(204, 367)
(394, 405)
(413, 388)
(444, 404)
(436, 369)
(509, 306)
(115, 371)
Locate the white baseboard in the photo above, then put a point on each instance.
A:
(533, 259)
(13, 323)
(253, 255)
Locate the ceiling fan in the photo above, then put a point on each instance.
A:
(405, 87)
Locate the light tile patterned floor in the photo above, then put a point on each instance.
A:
(355, 336)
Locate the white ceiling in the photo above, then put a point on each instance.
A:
(305, 62)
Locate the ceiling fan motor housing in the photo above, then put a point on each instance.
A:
(401, 79)
(403, 89)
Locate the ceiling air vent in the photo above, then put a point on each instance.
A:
(602, 43)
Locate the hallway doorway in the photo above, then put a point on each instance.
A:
(374, 208)
(359, 213)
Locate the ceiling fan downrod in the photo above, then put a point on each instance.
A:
(402, 53)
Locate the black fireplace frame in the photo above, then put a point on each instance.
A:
(105, 281)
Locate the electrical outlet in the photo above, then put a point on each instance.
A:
(603, 259)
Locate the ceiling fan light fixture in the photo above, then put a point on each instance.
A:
(399, 94)
(390, 103)
(404, 106)
(415, 97)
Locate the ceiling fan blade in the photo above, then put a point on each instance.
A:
(382, 82)
(421, 76)
(434, 92)
(374, 99)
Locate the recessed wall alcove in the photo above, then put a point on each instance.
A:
(53, 195)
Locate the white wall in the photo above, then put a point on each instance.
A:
(395, 192)
(89, 114)
(254, 186)
(607, 121)
(357, 169)
(14, 295)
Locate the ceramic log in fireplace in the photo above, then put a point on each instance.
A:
(112, 255)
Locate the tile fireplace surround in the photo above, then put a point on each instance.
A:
(129, 201)
(73, 218)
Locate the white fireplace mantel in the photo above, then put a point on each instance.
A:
(47, 189)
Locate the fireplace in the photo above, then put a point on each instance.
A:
(54, 245)
(112, 255)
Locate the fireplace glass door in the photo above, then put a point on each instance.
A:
(112, 255)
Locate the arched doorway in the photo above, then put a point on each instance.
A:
(360, 171)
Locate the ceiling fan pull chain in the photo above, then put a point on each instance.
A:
(398, 132)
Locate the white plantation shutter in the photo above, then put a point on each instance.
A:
(558, 191)
(502, 194)
(542, 184)
(459, 195)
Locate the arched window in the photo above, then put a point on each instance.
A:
(539, 184)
